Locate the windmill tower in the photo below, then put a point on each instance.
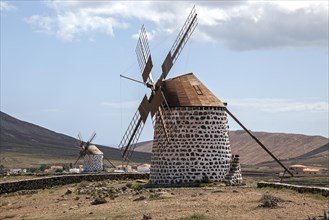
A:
(199, 147)
(191, 141)
(92, 156)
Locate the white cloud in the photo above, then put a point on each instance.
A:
(261, 25)
(71, 22)
(281, 105)
(42, 23)
(239, 25)
(5, 6)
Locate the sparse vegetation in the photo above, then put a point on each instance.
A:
(83, 184)
(43, 167)
(269, 201)
(182, 203)
(136, 186)
(195, 216)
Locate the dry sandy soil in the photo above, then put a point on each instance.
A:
(211, 201)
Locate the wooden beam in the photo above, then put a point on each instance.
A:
(258, 142)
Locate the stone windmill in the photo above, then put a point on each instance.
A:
(92, 156)
(191, 141)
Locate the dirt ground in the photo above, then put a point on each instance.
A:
(126, 200)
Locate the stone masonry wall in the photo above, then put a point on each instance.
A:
(234, 176)
(301, 189)
(199, 147)
(48, 182)
(93, 162)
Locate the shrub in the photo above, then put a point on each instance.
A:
(136, 186)
(269, 201)
(83, 184)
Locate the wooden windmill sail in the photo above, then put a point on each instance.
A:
(155, 103)
(184, 95)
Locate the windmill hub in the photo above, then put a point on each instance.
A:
(150, 85)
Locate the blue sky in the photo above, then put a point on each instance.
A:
(61, 61)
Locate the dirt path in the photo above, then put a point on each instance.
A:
(208, 202)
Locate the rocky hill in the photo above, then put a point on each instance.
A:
(283, 146)
(23, 144)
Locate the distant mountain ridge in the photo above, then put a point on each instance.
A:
(292, 147)
(23, 144)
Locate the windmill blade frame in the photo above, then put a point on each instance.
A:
(81, 154)
(144, 55)
(80, 137)
(180, 42)
(154, 103)
(92, 137)
(131, 136)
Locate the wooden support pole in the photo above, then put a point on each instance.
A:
(258, 141)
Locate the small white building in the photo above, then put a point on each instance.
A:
(74, 170)
(93, 160)
(17, 171)
(123, 168)
(144, 168)
(301, 170)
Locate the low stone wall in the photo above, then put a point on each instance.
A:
(48, 182)
(301, 189)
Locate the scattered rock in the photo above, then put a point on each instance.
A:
(74, 207)
(164, 195)
(141, 181)
(221, 184)
(62, 198)
(69, 191)
(235, 191)
(147, 217)
(140, 198)
(90, 213)
(217, 191)
(113, 196)
(98, 201)
(161, 195)
(77, 198)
